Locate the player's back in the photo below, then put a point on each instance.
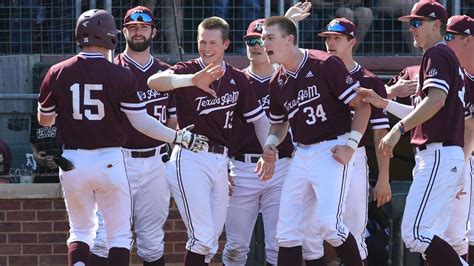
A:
(86, 91)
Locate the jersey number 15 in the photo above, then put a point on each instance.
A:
(87, 102)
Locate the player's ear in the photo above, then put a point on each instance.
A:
(125, 31)
(153, 32)
(291, 38)
(226, 44)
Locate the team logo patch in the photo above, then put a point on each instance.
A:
(432, 72)
(349, 80)
(258, 27)
(86, 39)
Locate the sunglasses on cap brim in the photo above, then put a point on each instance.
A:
(141, 17)
(254, 41)
(417, 22)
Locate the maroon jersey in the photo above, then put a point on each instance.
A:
(408, 73)
(89, 95)
(314, 98)
(469, 81)
(244, 139)
(378, 117)
(440, 70)
(160, 105)
(211, 116)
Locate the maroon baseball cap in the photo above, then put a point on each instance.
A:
(427, 9)
(255, 29)
(340, 26)
(139, 15)
(461, 24)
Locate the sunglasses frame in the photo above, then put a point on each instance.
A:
(250, 42)
(336, 28)
(144, 17)
(418, 22)
(451, 36)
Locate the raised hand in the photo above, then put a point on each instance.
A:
(299, 11)
(205, 77)
(191, 141)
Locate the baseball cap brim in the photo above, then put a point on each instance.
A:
(137, 22)
(407, 18)
(325, 33)
(253, 35)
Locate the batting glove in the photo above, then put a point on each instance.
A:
(191, 141)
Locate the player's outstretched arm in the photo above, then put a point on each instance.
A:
(262, 129)
(154, 129)
(402, 88)
(397, 109)
(167, 80)
(382, 190)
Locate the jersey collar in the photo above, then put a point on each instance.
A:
(257, 77)
(294, 74)
(355, 69)
(143, 68)
(90, 55)
(201, 63)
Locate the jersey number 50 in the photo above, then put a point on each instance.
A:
(87, 102)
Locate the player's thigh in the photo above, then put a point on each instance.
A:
(355, 212)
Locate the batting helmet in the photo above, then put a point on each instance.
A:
(96, 27)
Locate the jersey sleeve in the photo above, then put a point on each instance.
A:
(468, 99)
(46, 99)
(339, 80)
(247, 103)
(129, 100)
(436, 71)
(378, 117)
(277, 111)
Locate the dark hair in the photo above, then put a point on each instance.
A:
(215, 23)
(285, 24)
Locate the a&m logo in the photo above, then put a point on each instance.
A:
(349, 80)
(258, 27)
(432, 72)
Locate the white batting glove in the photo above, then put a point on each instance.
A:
(191, 141)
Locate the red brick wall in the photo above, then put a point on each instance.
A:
(34, 232)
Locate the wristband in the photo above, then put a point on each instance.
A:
(401, 127)
(179, 81)
(272, 140)
(354, 139)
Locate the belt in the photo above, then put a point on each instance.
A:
(253, 158)
(149, 153)
(434, 145)
(319, 142)
(219, 149)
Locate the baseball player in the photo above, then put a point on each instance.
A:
(340, 40)
(209, 93)
(90, 99)
(144, 155)
(459, 30)
(251, 196)
(437, 176)
(312, 92)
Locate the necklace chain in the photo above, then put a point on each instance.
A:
(218, 85)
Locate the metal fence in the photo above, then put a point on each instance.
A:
(47, 27)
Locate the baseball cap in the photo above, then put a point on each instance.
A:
(460, 24)
(139, 14)
(340, 26)
(427, 9)
(255, 29)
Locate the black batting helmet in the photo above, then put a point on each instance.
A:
(96, 27)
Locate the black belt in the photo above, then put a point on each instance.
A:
(254, 159)
(149, 153)
(423, 147)
(217, 149)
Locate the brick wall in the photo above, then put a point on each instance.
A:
(34, 232)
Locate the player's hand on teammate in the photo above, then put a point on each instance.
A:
(342, 153)
(382, 192)
(191, 141)
(388, 142)
(266, 165)
(403, 88)
(205, 77)
(370, 96)
(299, 11)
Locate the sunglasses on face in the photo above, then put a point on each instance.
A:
(416, 23)
(140, 16)
(254, 41)
(451, 36)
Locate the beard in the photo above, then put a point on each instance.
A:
(139, 47)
